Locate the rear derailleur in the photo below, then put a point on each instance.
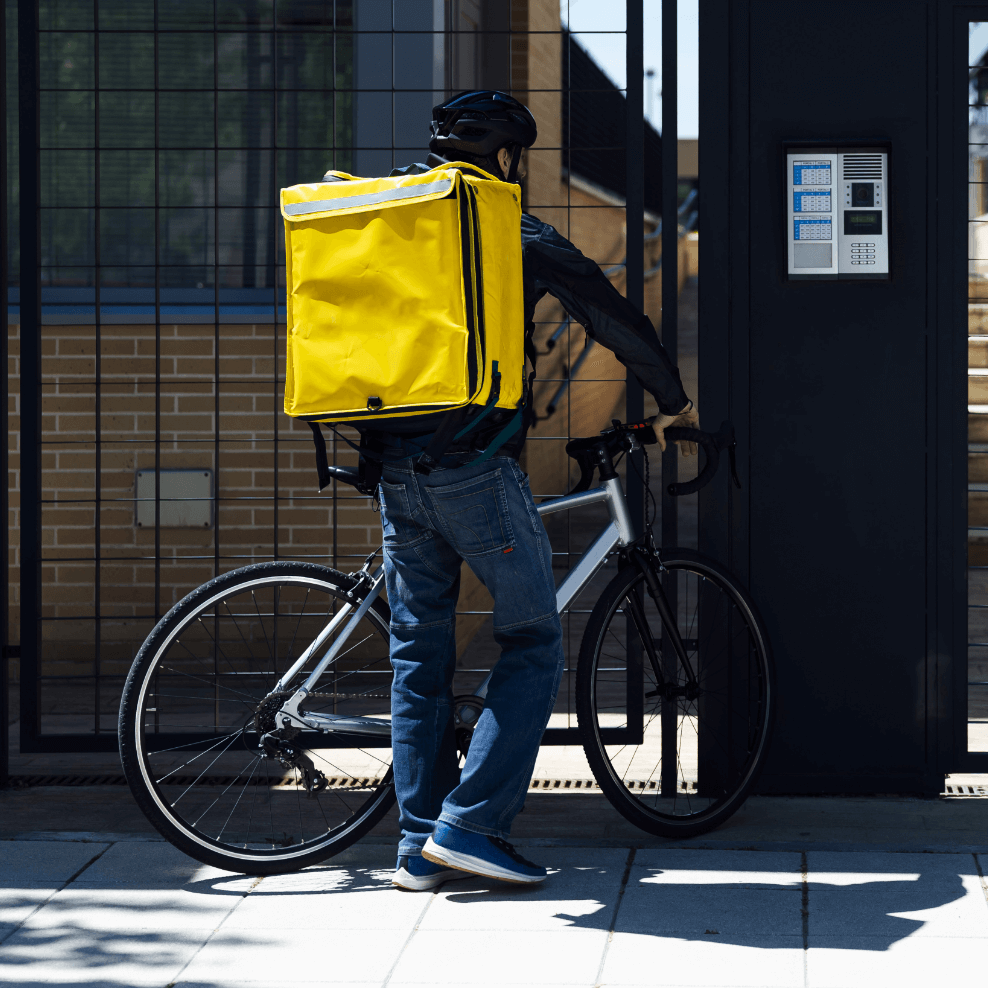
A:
(277, 742)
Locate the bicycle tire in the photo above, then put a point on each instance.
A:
(206, 659)
(626, 734)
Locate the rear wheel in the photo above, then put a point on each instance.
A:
(198, 701)
(675, 762)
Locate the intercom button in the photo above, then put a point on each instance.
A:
(855, 262)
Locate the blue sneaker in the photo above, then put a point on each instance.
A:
(415, 874)
(480, 854)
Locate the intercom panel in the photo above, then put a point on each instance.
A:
(837, 213)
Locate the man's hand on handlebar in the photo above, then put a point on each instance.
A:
(688, 418)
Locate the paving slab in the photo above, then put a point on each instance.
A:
(901, 912)
(16, 904)
(146, 865)
(909, 963)
(858, 870)
(43, 862)
(105, 909)
(726, 869)
(81, 955)
(689, 910)
(704, 961)
(488, 957)
(357, 904)
(280, 956)
(476, 905)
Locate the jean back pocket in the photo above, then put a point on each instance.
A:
(474, 515)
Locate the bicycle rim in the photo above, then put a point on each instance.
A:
(675, 765)
(193, 716)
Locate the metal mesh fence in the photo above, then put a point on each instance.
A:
(149, 288)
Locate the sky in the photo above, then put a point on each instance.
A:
(587, 18)
(977, 34)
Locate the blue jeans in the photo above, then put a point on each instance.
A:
(482, 513)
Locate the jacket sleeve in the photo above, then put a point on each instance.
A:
(562, 270)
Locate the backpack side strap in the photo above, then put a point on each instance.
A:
(369, 467)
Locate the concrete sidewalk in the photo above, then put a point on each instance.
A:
(829, 893)
(137, 912)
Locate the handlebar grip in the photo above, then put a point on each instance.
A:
(712, 444)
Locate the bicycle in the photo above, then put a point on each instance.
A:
(254, 724)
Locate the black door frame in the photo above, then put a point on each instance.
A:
(725, 342)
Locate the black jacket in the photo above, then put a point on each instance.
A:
(552, 265)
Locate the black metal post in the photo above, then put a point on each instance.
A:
(4, 498)
(635, 289)
(635, 219)
(30, 298)
(670, 298)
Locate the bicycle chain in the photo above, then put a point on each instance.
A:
(349, 696)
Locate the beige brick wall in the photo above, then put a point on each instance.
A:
(246, 415)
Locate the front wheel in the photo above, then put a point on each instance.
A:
(676, 753)
(198, 703)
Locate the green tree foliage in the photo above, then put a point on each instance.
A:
(169, 146)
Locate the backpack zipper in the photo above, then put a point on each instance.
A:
(469, 285)
(479, 277)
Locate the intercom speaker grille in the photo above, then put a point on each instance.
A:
(862, 166)
(811, 256)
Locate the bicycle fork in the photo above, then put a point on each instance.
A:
(666, 689)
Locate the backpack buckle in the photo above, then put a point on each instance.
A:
(425, 464)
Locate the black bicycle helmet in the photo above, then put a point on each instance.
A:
(480, 122)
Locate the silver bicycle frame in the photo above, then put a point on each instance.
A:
(619, 532)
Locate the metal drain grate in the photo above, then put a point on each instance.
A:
(563, 784)
(31, 781)
(285, 782)
(965, 790)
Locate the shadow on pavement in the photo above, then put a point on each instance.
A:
(851, 908)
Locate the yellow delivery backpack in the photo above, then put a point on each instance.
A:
(405, 304)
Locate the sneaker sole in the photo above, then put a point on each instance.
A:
(422, 883)
(474, 866)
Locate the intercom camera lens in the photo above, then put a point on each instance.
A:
(863, 193)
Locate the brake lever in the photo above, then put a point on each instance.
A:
(733, 461)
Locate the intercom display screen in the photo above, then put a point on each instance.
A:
(863, 222)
